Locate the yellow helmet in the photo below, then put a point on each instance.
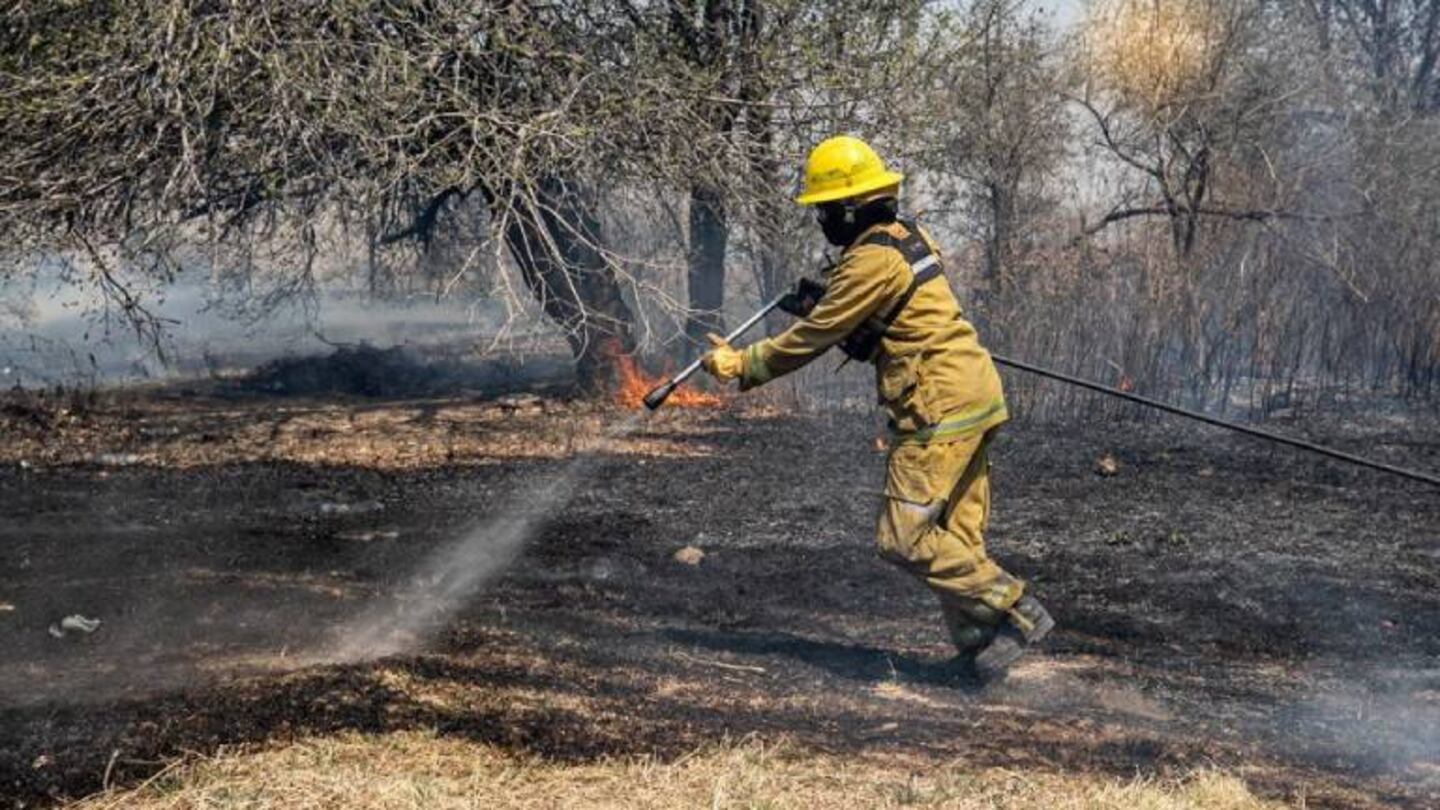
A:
(843, 167)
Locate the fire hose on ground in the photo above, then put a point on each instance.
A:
(657, 397)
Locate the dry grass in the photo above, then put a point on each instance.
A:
(408, 435)
(418, 770)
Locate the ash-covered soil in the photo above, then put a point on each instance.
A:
(1221, 603)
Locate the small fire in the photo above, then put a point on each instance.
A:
(632, 384)
(1126, 384)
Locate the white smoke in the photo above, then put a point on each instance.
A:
(1387, 720)
(53, 332)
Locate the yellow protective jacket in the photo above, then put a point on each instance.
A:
(933, 377)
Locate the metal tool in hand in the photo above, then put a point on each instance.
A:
(657, 397)
(798, 301)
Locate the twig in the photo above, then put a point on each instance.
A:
(720, 664)
(147, 783)
(109, 767)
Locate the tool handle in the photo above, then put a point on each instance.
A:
(661, 392)
(1414, 475)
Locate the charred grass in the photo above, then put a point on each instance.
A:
(1223, 606)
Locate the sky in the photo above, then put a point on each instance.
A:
(1067, 12)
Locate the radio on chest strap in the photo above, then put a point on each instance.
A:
(864, 342)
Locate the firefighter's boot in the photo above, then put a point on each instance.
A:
(970, 639)
(1028, 623)
(972, 625)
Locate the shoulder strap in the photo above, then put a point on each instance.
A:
(912, 246)
(924, 263)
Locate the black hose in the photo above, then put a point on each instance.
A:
(1413, 475)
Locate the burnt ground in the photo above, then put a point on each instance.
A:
(1221, 603)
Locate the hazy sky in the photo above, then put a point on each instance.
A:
(1066, 11)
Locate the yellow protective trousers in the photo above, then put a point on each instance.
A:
(932, 523)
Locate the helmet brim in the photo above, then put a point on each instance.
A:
(846, 192)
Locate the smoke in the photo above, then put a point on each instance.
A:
(1387, 720)
(446, 581)
(51, 331)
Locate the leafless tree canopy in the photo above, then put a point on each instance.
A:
(1225, 200)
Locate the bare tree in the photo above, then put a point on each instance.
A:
(1395, 44)
(1252, 180)
(1166, 89)
(1007, 133)
(272, 133)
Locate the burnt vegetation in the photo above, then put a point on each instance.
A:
(1225, 204)
(1222, 605)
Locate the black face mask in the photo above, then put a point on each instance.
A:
(843, 222)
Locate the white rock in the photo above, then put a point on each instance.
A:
(689, 555)
(77, 622)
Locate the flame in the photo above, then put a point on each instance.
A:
(632, 384)
(1125, 384)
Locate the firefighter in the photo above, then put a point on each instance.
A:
(886, 302)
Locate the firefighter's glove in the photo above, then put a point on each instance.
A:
(801, 300)
(724, 362)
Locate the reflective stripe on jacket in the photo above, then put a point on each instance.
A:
(933, 377)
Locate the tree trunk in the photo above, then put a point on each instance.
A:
(997, 247)
(709, 29)
(773, 272)
(709, 235)
(554, 237)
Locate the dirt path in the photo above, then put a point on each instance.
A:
(1220, 603)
